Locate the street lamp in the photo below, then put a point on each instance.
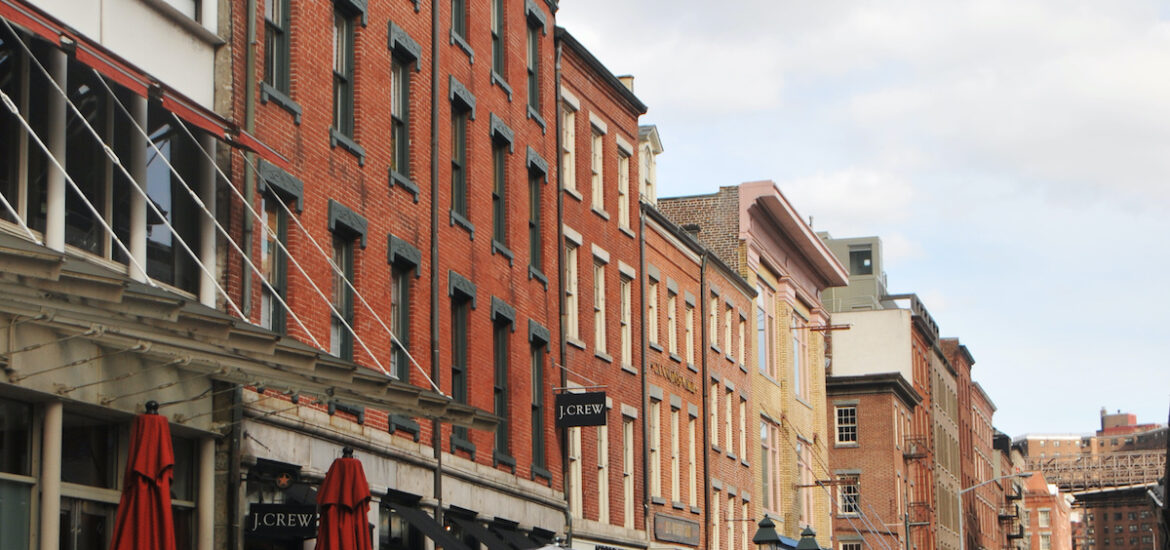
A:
(808, 540)
(959, 496)
(767, 537)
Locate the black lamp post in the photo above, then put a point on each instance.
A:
(767, 538)
(808, 540)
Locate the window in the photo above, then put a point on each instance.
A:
(273, 264)
(501, 330)
(276, 45)
(847, 424)
(623, 189)
(713, 320)
(500, 191)
(569, 148)
(498, 43)
(627, 335)
(860, 260)
(849, 502)
(596, 166)
(693, 452)
(675, 458)
(743, 450)
(343, 91)
(459, 18)
(537, 364)
(655, 472)
(689, 332)
(1045, 541)
(572, 323)
(799, 357)
(400, 320)
(341, 324)
(535, 237)
(603, 474)
(627, 472)
(459, 118)
(15, 458)
(1043, 518)
(765, 331)
(804, 464)
(599, 330)
(671, 322)
(742, 341)
(400, 116)
(167, 260)
(576, 495)
(850, 546)
(770, 462)
(460, 320)
(533, 66)
(713, 397)
(727, 331)
(728, 434)
(716, 524)
(730, 522)
(652, 311)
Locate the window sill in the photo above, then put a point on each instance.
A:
(573, 193)
(841, 445)
(534, 273)
(405, 183)
(458, 219)
(348, 144)
(717, 449)
(463, 45)
(692, 367)
(499, 459)
(269, 93)
(602, 213)
(655, 346)
(603, 356)
(678, 505)
(499, 248)
(630, 369)
(503, 84)
(399, 423)
(675, 358)
(730, 359)
(575, 342)
(460, 444)
(732, 456)
(801, 400)
(658, 500)
(695, 510)
(716, 349)
(745, 463)
(538, 472)
(629, 232)
(743, 368)
(536, 116)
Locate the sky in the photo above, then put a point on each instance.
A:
(1013, 156)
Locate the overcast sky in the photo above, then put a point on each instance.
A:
(1014, 157)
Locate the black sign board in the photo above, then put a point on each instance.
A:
(282, 521)
(673, 529)
(580, 409)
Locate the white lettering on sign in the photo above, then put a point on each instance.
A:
(578, 410)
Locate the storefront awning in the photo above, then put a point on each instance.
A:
(481, 533)
(517, 539)
(425, 523)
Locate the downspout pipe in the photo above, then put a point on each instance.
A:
(644, 371)
(703, 293)
(249, 175)
(562, 351)
(436, 426)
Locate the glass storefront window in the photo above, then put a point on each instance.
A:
(92, 455)
(395, 533)
(15, 427)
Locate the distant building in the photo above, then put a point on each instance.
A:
(1119, 518)
(1046, 515)
(1122, 452)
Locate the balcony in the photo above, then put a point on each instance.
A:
(1009, 512)
(1017, 534)
(914, 447)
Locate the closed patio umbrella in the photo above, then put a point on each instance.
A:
(144, 520)
(343, 502)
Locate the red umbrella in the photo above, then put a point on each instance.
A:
(344, 504)
(144, 520)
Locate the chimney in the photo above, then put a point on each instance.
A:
(627, 81)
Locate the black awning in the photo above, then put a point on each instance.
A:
(480, 532)
(516, 538)
(427, 524)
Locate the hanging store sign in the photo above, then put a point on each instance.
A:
(673, 529)
(283, 521)
(580, 409)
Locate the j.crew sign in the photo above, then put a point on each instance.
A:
(580, 409)
(286, 521)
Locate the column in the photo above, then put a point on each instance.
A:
(137, 170)
(51, 476)
(55, 182)
(206, 191)
(205, 500)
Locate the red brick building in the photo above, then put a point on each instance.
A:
(977, 462)
(602, 330)
(869, 415)
(1047, 511)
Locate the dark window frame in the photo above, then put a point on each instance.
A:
(277, 45)
(459, 183)
(278, 278)
(500, 191)
(499, 41)
(345, 41)
(400, 116)
(532, 66)
(343, 256)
